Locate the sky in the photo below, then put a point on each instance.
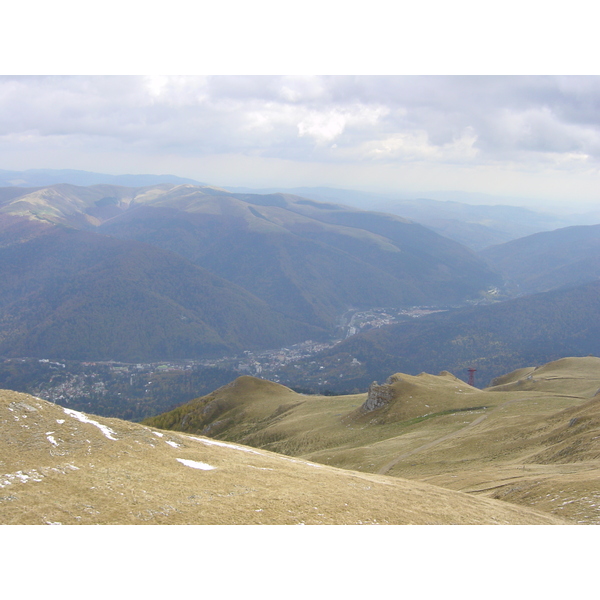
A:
(436, 127)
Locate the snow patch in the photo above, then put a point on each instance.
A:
(51, 438)
(301, 462)
(195, 464)
(158, 434)
(10, 478)
(107, 431)
(60, 421)
(174, 444)
(63, 469)
(208, 442)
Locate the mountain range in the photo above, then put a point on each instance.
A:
(477, 221)
(548, 260)
(467, 221)
(207, 271)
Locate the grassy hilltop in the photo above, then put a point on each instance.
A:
(64, 467)
(530, 439)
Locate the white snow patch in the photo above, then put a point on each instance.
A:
(51, 439)
(107, 431)
(62, 469)
(195, 464)
(60, 421)
(10, 478)
(301, 462)
(224, 445)
(209, 442)
(158, 434)
(174, 444)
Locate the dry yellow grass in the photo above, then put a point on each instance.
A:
(501, 442)
(60, 466)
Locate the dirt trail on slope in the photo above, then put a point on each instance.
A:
(448, 436)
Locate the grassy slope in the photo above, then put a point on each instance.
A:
(58, 467)
(435, 428)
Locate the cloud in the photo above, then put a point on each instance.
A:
(326, 126)
(216, 114)
(526, 123)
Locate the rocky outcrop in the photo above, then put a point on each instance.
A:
(378, 395)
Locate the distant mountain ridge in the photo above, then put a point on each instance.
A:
(475, 225)
(46, 177)
(460, 216)
(309, 261)
(493, 339)
(548, 260)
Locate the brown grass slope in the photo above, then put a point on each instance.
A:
(60, 466)
(269, 415)
(500, 442)
(551, 462)
(578, 376)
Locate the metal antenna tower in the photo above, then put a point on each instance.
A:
(471, 381)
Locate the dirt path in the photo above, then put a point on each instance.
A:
(448, 436)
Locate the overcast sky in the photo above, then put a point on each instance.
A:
(535, 137)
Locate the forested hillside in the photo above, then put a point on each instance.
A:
(493, 339)
(84, 296)
(306, 259)
(548, 260)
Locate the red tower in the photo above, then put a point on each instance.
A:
(471, 381)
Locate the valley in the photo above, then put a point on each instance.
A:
(218, 284)
(215, 324)
(135, 391)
